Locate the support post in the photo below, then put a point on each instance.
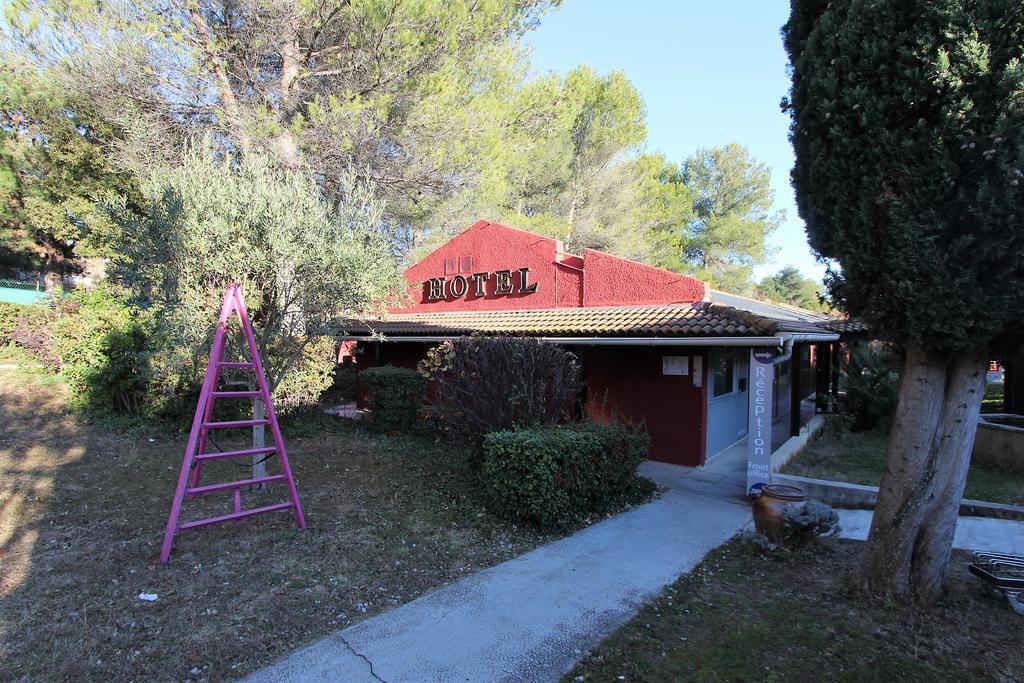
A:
(836, 367)
(822, 377)
(795, 377)
(1013, 382)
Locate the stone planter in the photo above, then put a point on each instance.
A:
(1000, 441)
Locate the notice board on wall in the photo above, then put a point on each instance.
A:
(675, 365)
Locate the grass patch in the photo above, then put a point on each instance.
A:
(82, 513)
(746, 616)
(992, 402)
(858, 457)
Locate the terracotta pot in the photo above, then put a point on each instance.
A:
(769, 505)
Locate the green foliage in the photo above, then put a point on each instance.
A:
(788, 286)
(553, 477)
(434, 103)
(33, 332)
(104, 350)
(908, 128)
(395, 397)
(872, 386)
(54, 175)
(488, 384)
(381, 85)
(9, 314)
(303, 266)
(732, 215)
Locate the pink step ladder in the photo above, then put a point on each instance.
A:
(195, 451)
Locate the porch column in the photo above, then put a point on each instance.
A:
(796, 390)
(1013, 382)
(759, 420)
(822, 377)
(836, 365)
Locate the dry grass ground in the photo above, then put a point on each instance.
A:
(744, 616)
(82, 511)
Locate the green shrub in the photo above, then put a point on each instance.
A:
(33, 330)
(104, 351)
(872, 386)
(490, 384)
(552, 477)
(9, 314)
(395, 396)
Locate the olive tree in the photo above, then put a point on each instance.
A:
(908, 128)
(303, 265)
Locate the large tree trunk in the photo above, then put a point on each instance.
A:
(291, 63)
(53, 270)
(925, 472)
(232, 109)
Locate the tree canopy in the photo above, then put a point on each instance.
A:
(54, 176)
(303, 265)
(908, 126)
(434, 104)
(788, 286)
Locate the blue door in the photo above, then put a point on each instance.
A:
(727, 398)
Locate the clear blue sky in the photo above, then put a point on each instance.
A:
(710, 72)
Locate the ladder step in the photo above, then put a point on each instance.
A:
(232, 364)
(237, 394)
(233, 484)
(234, 454)
(234, 423)
(234, 515)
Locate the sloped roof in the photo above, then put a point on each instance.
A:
(704, 319)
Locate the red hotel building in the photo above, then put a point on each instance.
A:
(655, 346)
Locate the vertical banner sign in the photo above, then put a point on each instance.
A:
(759, 420)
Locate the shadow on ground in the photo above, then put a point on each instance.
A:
(82, 512)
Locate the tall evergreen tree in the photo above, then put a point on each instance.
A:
(732, 215)
(54, 176)
(788, 286)
(908, 127)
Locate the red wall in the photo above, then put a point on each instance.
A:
(496, 247)
(563, 280)
(613, 281)
(627, 382)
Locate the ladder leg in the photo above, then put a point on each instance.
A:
(275, 428)
(172, 519)
(216, 355)
(209, 381)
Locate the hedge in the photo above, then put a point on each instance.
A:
(395, 396)
(552, 477)
(9, 314)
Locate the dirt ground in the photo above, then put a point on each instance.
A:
(746, 616)
(82, 513)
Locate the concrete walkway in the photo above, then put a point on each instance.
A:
(533, 617)
(985, 534)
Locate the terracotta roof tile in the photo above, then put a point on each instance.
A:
(684, 320)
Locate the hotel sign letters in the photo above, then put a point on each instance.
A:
(505, 282)
(759, 420)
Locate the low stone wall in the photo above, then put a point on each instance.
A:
(999, 445)
(856, 496)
